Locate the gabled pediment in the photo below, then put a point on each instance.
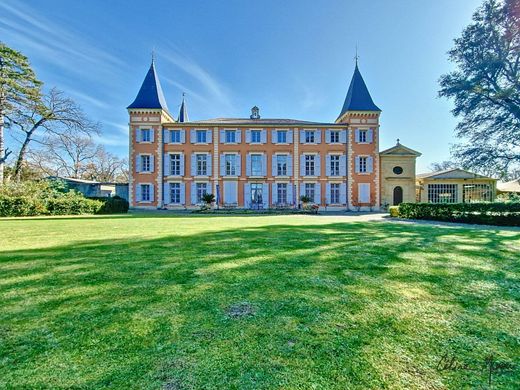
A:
(400, 150)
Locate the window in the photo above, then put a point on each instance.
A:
(281, 136)
(309, 165)
(334, 137)
(363, 164)
(334, 193)
(175, 164)
(442, 193)
(309, 137)
(230, 136)
(362, 136)
(256, 165)
(281, 165)
(175, 136)
(146, 135)
(257, 193)
(231, 163)
(201, 136)
(145, 193)
(476, 193)
(202, 189)
(310, 191)
(175, 192)
(281, 193)
(146, 165)
(202, 164)
(398, 170)
(256, 136)
(334, 165)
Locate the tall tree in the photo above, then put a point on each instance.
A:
(18, 87)
(56, 114)
(106, 167)
(486, 89)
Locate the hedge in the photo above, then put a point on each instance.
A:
(499, 213)
(114, 205)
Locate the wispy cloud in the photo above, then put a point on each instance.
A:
(210, 90)
(111, 140)
(58, 45)
(121, 128)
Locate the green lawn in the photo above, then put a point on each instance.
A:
(256, 302)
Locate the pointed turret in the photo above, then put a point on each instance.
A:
(358, 98)
(183, 112)
(150, 95)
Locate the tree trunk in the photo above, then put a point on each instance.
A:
(23, 149)
(2, 145)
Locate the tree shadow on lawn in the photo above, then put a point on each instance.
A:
(336, 305)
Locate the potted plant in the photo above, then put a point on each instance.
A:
(305, 201)
(207, 200)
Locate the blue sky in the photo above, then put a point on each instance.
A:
(293, 59)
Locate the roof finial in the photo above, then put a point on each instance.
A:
(356, 56)
(153, 55)
(398, 141)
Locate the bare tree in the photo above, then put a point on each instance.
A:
(106, 167)
(65, 154)
(57, 117)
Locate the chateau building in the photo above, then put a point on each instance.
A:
(264, 163)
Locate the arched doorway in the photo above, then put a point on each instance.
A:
(398, 195)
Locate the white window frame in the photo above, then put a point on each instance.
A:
(334, 133)
(230, 163)
(335, 163)
(177, 132)
(335, 193)
(281, 193)
(205, 132)
(201, 164)
(172, 189)
(148, 158)
(363, 164)
(282, 165)
(149, 193)
(278, 133)
(310, 134)
(438, 191)
(232, 133)
(310, 165)
(259, 132)
(363, 136)
(200, 190)
(310, 190)
(175, 158)
(148, 131)
(260, 157)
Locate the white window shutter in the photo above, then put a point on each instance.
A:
(317, 137)
(274, 168)
(327, 193)
(239, 164)
(370, 136)
(193, 194)
(370, 164)
(274, 195)
(166, 136)
(327, 165)
(222, 136)
(152, 192)
(357, 135)
(302, 165)
(138, 135)
(289, 136)
(138, 163)
(263, 136)
(290, 193)
(289, 165)
(248, 165)
(317, 193)
(183, 193)
(152, 135)
(152, 163)
(343, 136)
(248, 136)
(166, 165)
(238, 136)
(209, 161)
(247, 195)
(222, 165)
(167, 193)
(357, 164)
(327, 136)
(317, 165)
(193, 136)
(264, 164)
(265, 196)
(183, 136)
(302, 136)
(302, 190)
(209, 137)
(138, 196)
(343, 193)
(182, 164)
(343, 165)
(273, 136)
(193, 164)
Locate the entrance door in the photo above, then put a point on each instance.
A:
(257, 198)
(398, 195)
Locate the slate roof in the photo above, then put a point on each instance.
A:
(150, 95)
(510, 186)
(266, 121)
(183, 112)
(358, 98)
(453, 173)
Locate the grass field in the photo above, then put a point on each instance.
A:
(292, 302)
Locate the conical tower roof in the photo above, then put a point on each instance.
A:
(150, 94)
(358, 98)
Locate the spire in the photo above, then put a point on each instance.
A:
(150, 95)
(358, 98)
(183, 112)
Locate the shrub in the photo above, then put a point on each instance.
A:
(394, 211)
(21, 206)
(73, 203)
(208, 198)
(114, 205)
(499, 213)
(305, 199)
